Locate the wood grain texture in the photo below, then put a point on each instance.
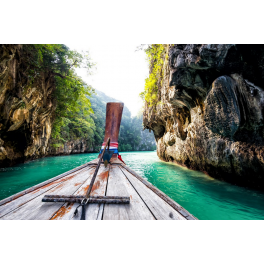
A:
(159, 208)
(113, 120)
(115, 160)
(146, 201)
(162, 195)
(119, 185)
(100, 213)
(37, 210)
(97, 199)
(14, 204)
(92, 210)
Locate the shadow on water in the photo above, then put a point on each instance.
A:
(201, 195)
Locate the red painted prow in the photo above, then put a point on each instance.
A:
(112, 125)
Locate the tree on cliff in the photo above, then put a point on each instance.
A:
(44, 104)
(53, 65)
(41, 95)
(157, 55)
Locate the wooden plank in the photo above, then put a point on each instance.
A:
(14, 204)
(100, 213)
(116, 161)
(94, 162)
(33, 188)
(159, 208)
(92, 210)
(162, 195)
(120, 186)
(96, 199)
(36, 209)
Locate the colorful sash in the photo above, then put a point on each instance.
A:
(113, 146)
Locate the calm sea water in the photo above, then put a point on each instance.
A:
(201, 195)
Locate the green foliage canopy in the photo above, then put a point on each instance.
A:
(56, 62)
(79, 112)
(156, 55)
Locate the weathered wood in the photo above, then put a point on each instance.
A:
(71, 200)
(33, 188)
(159, 208)
(147, 202)
(92, 210)
(94, 162)
(35, 209)
(162, 195)
(113, 120)
(115, 160)
(100, 212)
(119, 185)
(78, 199)
(16, 203)
(87, 194)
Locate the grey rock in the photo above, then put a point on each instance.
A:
(211, 113)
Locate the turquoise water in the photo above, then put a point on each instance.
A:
(201, 195)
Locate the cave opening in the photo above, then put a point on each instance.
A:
(18, 139)
(159, 131)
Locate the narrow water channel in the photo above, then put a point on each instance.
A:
(201, 195)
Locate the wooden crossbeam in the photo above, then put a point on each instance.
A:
(92, 199)
(83, 200)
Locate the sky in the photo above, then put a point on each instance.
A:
(120, 71)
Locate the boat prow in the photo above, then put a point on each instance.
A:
(114, 192)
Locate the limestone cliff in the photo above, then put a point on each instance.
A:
(210, 111)
(70, 147)
(27, 110)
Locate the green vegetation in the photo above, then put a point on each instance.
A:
(58, 145)
(73, 114)
(78, 113)
(51, 67)
(55, 64)
(156, 55)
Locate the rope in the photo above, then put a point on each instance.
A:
(87, 195)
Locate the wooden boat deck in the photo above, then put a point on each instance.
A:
(146, 201)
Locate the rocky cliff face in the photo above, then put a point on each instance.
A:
(71, 147)
(27, 111)
(210, 115)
